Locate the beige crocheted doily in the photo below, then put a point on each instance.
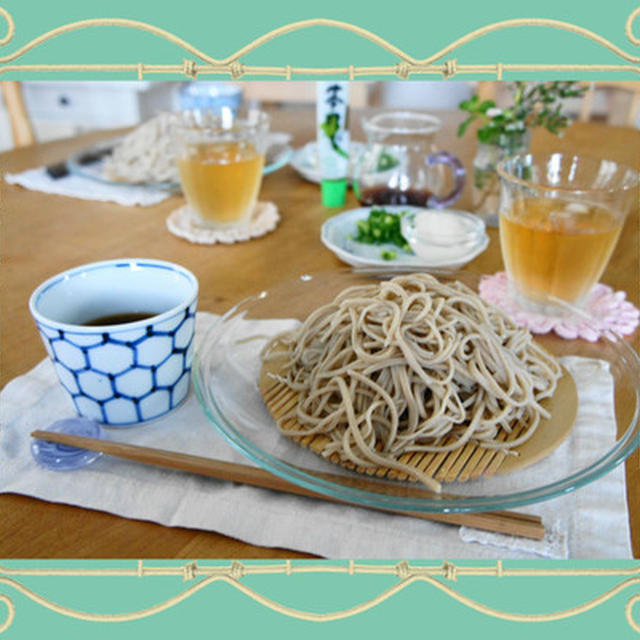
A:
(183, 223)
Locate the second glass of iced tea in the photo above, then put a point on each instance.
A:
(220, 161)
(560, 218)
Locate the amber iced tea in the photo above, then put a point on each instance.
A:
(221, 180)
(560, 218)
(557, 247)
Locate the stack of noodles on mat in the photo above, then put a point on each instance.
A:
(147, 154)
(404, 365)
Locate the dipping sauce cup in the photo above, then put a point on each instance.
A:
(120, 335)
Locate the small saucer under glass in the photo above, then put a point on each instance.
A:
(185, 223)
(601, 311)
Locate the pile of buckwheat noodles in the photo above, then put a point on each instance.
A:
(147, 154)
(412, 365)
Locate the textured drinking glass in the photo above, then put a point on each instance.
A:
(220, 161)
(560, 218)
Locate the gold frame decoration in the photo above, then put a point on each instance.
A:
(439, 63)
(442, 576)
(439, 576)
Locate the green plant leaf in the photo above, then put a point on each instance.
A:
(486, 105)
(463, 127)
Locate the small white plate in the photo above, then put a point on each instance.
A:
(305, 160)
(338, 232)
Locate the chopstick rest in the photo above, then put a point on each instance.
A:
(56, 456)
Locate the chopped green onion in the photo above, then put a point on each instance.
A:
(382, 227)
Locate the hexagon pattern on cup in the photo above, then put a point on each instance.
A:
(156, 403)
(88, 408)
(169, 325)
(134, 383)
(48, 332)
(111, 358)
(67, 379)
(95, 385)
(71, 356)
(47, 345)
(154, 350)
(180, 389)
(121, 378)
(120, 411)
(184, 333)
(188, 357)
(168, 372)
(84, 340)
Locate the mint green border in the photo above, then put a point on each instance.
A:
(219, 610)
(417, 28)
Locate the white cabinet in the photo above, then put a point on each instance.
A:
(59, 109)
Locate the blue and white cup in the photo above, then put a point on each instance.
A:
(127, 373)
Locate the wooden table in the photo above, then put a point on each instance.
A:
(42, 235)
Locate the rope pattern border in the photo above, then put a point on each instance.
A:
(436, 576)
(202, 63)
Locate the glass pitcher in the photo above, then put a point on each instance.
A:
(400, 164)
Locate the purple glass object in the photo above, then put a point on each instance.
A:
(60, 457)
(459, 176)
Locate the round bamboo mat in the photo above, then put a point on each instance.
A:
(466, 463)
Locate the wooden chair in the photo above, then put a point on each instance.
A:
(21, 127)
(487, 90)
(620, 112)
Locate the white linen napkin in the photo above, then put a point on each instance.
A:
(75, 186)
(589, 523)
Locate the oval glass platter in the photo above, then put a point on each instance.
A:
(226, 374)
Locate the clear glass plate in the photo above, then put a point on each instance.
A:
(226, 369)
(277, 158)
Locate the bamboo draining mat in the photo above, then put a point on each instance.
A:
(467, 463)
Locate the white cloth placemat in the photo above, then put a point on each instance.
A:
(589, 523)
(75, 186)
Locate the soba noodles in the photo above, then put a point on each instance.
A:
(412, 365)
(147, 154)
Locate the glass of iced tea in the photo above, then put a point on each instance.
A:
(560, 218)
(220, 161)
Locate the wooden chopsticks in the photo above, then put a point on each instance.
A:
(507, 522)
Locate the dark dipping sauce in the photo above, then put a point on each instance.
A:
(118, 318)
(387, 195)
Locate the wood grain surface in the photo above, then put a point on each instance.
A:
(42, 235)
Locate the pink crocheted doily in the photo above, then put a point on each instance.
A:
(605, 310)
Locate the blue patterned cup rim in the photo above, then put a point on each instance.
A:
(47, 322)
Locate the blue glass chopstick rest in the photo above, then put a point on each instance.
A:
(60, 457)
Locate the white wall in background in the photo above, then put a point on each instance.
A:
(427, 95)
(60, 109)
